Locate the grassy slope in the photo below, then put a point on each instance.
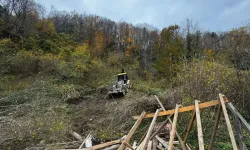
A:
(41, 109)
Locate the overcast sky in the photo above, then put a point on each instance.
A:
(213, 15)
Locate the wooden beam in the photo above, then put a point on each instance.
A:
(99, 146)
(164, 143)
(199, 127)
(132, 131)
(245, 125)
(229, 127)
(160, 103)
(127, 145)
(190, 126)
(159, 129)
(216, 123)
(168, 119)
(144, 144)
(237, 127)
(172, 133)
(150, 145)
(183, 109)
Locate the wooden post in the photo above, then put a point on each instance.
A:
(199, 127)
(144, 144)
(160, 103)
(237, 126)
(132, 131)
(164, 143)
(229, 127)
(172, 133)
(168, 119)
(245, 125)
(150, 145)
(216, 123)
(129, 146)
(189, 126)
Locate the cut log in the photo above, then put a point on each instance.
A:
(76, 136)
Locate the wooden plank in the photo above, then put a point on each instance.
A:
(188, 147)
(164, 143)
(150, 145)
(132, 131)
(190, 126)
(99, 146)
(144, 145)
(237, 127)
(159, 129)
(245, 125)
(168, 119)
(183, 109)
(160, 103)
(127, 145)
(103, 145)
(172, 133)
(229, 127)
(199, 127)
(216, 123)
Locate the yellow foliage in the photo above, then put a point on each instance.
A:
(4, 42)
(82, 50)
(46, 26)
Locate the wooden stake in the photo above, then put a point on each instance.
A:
(216, 123)
(183, 109)
(160, 103)
(168, 119)
(144, 144)
(129, 146)
(199, 127)
(99, 146)
(172, 133)
(245, 125)
(237, 127)
(229, 127)
(190, 126)
(150, 145)
(132, 131)
(164, 143)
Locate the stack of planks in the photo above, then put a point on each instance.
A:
(164, 135)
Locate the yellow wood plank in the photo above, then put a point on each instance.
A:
(183, 109)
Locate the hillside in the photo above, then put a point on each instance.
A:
(56, 69)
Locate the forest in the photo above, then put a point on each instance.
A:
(56, 67)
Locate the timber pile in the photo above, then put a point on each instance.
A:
(162, 135)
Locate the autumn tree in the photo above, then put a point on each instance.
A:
(170, 50)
